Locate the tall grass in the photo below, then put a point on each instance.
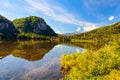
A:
(103, 64)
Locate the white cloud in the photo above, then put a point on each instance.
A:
(111, 18)
(56, 12)
(78, 29)
(58, 32)
(88, 28)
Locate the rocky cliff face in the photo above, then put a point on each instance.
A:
(7, 29)
(41, 25)
(33, 24)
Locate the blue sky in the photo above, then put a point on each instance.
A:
(65, 16)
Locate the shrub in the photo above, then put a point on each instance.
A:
(103, 64)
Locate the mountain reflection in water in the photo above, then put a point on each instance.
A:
(34, 60)
(27, 50)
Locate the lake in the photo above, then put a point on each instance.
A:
(34, 60)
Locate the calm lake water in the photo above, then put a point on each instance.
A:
(32, 60)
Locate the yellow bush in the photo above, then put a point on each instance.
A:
(103, 64)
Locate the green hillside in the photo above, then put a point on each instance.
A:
(105, 34)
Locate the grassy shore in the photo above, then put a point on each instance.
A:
(103, 64)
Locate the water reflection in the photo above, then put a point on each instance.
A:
(32, 51)
(28, 50)
(33, 60)
(6, 48)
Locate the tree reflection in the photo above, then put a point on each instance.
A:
(28, 50)
(6, 48)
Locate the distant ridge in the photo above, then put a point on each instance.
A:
(70, 34)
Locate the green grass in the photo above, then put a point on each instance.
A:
(80, 40)
(103, 64)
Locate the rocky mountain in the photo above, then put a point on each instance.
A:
(7, 29)
(33, 24)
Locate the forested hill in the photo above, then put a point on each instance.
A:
(33, 24)
(31, 27)
(105, 33)
(7, 29)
